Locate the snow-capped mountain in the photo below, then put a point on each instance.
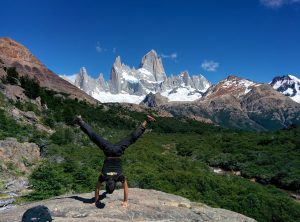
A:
(132, 85)
(232, 85)
(288, 85)
(236, 103)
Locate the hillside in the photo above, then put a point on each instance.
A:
(174, 155)
(14, 54)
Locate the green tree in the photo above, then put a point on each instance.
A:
(12, 76)
(31, 86)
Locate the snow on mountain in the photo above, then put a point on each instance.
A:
(122, 97)
(182, 94)
(288, 85)
(69, 78)
(132, 85)
(232, 85)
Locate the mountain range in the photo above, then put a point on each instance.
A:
(132, 85)
(233, 102)
(241, 104)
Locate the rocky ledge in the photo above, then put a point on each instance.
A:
(144, 205)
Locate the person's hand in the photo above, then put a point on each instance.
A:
(124, 204)
(94, 204)
(150, 118)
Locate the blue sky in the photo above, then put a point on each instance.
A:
(255, 39)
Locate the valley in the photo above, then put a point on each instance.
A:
(173, 156)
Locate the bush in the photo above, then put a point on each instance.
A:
(12, 76)
(49, 180)
(62, 136)
(31, 86)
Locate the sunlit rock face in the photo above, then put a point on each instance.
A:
(144, 205)
(13, 54)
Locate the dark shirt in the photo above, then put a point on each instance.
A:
(112, 165)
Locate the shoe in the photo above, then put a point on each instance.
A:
(150, 118)
(77, 120)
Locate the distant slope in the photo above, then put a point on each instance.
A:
(13, 54)
(241, 104)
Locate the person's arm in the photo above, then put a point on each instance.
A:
(131, 138)
(102, 143)
(125, 201)
(97, 193)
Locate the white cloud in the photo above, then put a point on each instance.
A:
(277, 3)
(99, 48)
(114, 50)
(272, 3)
(210, 66)
(172, 56)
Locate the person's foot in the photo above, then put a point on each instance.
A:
(78, 120)
(150, 118)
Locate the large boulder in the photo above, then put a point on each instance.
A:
(144, 205)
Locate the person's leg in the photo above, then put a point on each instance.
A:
(131, 138)
(101, 142)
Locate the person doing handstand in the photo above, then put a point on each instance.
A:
(111, 172)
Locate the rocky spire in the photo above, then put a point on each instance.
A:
(82, 78)
(115, 83)
(185, 78)
(101, 82)
(117, 62)
(153, 64)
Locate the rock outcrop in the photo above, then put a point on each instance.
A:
(17, 161)
(144, 205)
(23, 156)
(154, 100)
(13, 54)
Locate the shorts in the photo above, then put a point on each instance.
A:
(118, 178)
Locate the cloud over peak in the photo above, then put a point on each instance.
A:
(99, 48)
(210, 66)
(172, 56)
